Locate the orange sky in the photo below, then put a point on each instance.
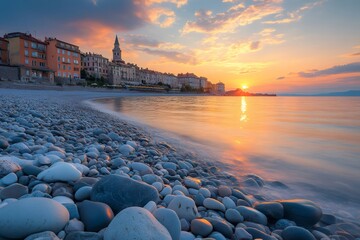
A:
(268, 45)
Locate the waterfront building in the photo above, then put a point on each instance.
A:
(189, 79)
(4, 53)
(29, 55)
(64, 59)
(95, 65)
(122, 74)
(220, 88)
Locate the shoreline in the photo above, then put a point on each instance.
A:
(81, 138)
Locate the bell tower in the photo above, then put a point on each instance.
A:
(117, 52)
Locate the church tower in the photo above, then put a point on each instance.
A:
(117, 52)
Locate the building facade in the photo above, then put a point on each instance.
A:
(4, 53)
(189, 79)
(220, 88)
(95, 65)
(29, 54)
(64, 59)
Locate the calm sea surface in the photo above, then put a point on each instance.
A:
(311, 144)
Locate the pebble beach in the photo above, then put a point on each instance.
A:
(68, 171)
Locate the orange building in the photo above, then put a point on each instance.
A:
(29, 54)
(64, 58)
(4, 53)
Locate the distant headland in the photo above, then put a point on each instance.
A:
(240, 92)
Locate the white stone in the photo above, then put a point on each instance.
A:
(60, 171)
(126, 149)
(63, 199)
(184, 207)
(32, 215)
(170, 220)
(135, 223)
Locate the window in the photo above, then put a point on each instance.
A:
(59, 74)
(63, 51)
(33, 45)
(58, 59)
(26, 44)
(34, 54)
(69, 75)
(42, 64)
(59, 66)
(27, 73)
(26, 52)
(63, 59)
(58, 50)
(76, 61)
(64, 74)
(26, 61)
(33, 62)
(69, 67)
(68, 60)
(64, 67)
(68, 53)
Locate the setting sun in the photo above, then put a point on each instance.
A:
(244, 87)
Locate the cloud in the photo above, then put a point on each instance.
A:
(353, 54)
(179, 57)
(295, 15)
(280, 78)
(340, 69)
(27, 15)
(179, 3)
(141, 40)
(237, 15)
(161, 16)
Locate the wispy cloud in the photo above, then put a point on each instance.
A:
(295, 15)
(179, 3)
(341, 69)
(356, 52)
(237, 15)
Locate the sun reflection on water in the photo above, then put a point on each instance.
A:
(243, 116)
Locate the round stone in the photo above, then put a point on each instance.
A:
(296, 233)
(95, 215)
(8, 166)
(126, 149)
(272, 210)
(242, 234)
(170, 220)
(221, 226)
(47, 235)
(303, 212)
(32, 215)
(83, 193)
(60, 171)
(233, 216)
(9, 179)
(121, 192)
(224, 191)
(201, 227)
(191, 182)
(15, 190)
(252, 215)
(213, 204)
(142, 168)
(136, 223)
(184, 207)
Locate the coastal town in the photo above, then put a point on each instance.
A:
(52, 61)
